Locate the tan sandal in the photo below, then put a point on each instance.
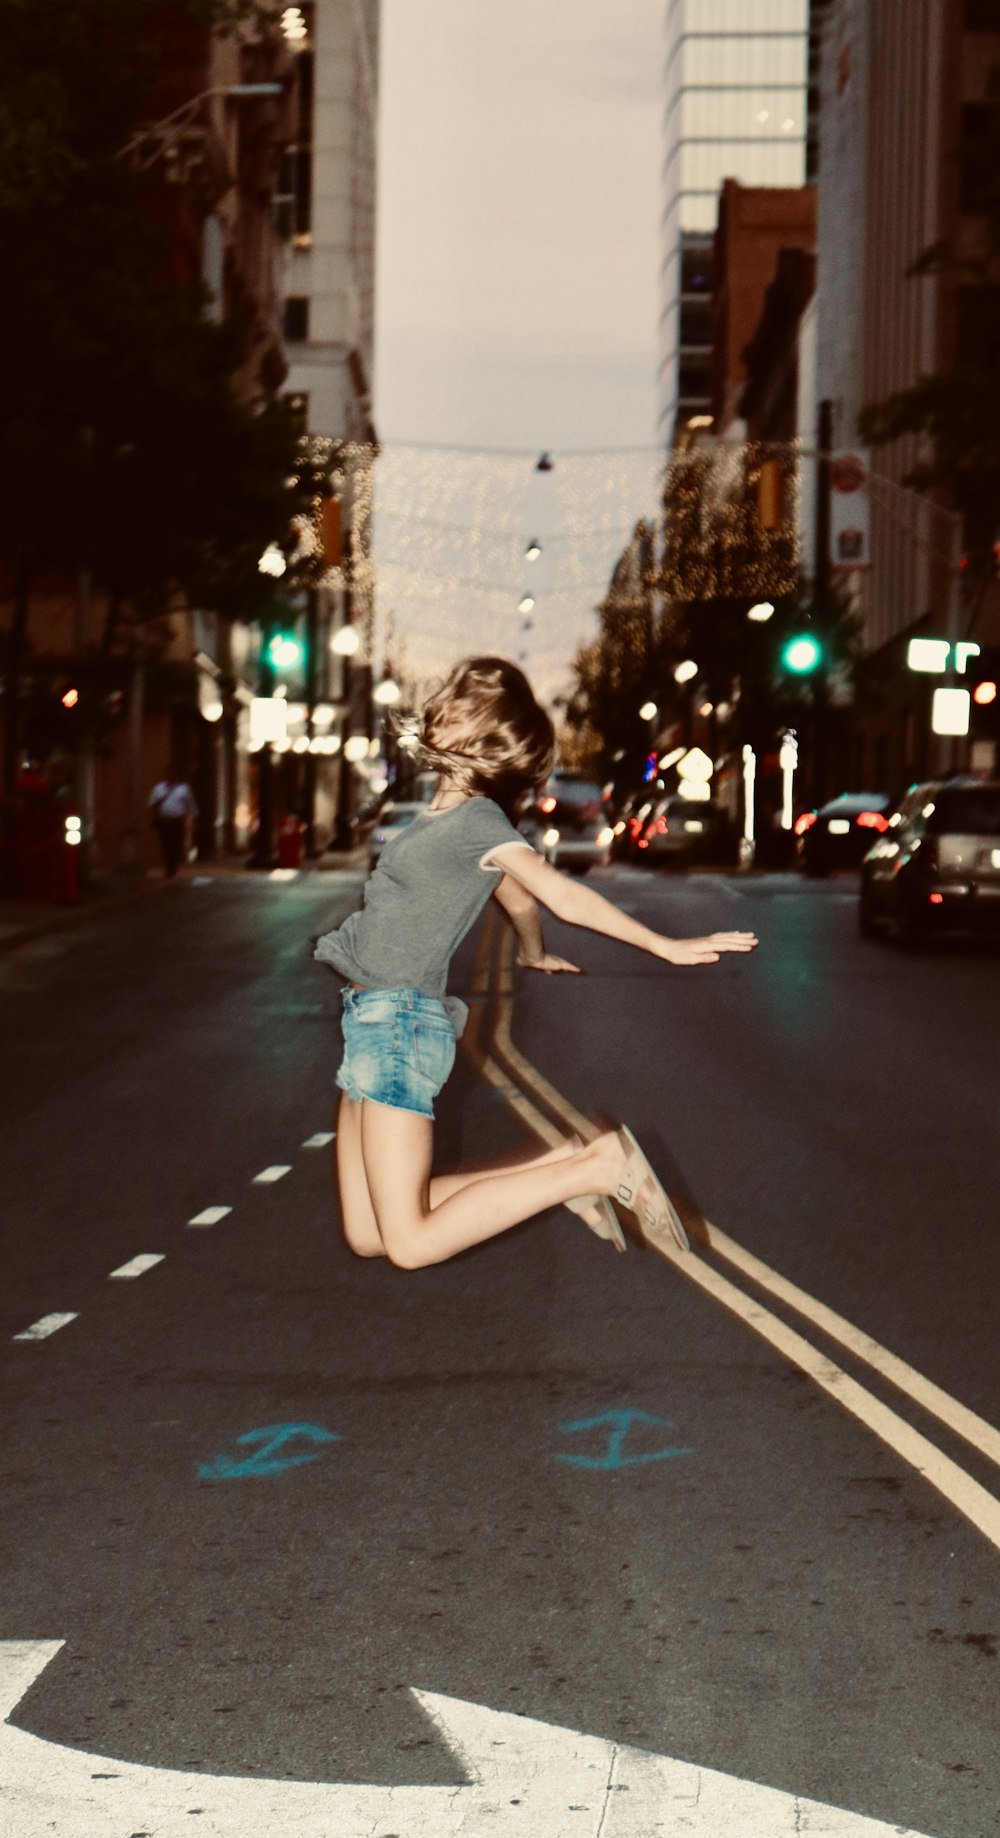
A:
(654, 1216)
(610, 1226)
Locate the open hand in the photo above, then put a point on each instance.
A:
(548, 963)
(704, 950)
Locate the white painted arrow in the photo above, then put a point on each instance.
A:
(526, 1780)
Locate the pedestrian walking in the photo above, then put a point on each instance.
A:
(490, 742)
(172, 803)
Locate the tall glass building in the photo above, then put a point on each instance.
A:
(737, 85)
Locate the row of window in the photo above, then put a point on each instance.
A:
(731, 15)
(752, 59)
(739, 112)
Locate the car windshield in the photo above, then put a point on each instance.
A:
(576, 793)
(967, 810)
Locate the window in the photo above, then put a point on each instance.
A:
(768, 15)
(761, 62)
(741, 113)
(696, 322)
(961, 812)
(696, 268)
(296, 319)
(704, 164)
(694, 379)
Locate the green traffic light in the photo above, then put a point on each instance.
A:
(284, 650)
(801, 654)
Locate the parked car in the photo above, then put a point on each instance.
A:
(938, 863)
(677, 829)
(392, 819)
(569, 825)
(840, 833)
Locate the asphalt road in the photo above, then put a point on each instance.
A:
(541, 1478)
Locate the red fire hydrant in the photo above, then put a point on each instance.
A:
(290, 842)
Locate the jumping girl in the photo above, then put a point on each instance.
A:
(490, 742)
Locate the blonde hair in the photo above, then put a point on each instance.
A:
(484, 731)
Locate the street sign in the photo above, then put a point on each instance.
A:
(950, 711)
(936, 654)
(849, 518)
(523, 1778)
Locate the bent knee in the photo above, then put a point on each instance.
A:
(363, 1240)
(405, 1245)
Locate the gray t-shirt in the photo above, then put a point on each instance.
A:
(429, 888)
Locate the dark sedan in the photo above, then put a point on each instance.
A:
(840, 833)
(938, 865)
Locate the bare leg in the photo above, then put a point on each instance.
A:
(356, 1210)
(397, 1146)
(444, 1185)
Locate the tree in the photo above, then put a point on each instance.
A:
(957, 411)
(124, 447)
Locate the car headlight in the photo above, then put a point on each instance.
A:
(550, 838)
(604, 837)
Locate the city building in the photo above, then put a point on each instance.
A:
(756, 226)
(176, 680)
(736, 106)
(326, 205)
(903, 83)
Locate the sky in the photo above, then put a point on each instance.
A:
(516, 304)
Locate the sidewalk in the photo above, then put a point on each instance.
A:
(21, 920)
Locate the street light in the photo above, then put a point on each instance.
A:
(648, 711)
(272, 562)
(761, 611)
(533, 551)
(387, 692)
(685, 671)
(345, 641)
(525, 604)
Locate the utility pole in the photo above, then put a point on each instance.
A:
(821, 597)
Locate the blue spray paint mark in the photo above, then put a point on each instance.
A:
(266, 1459)
(618, 1424)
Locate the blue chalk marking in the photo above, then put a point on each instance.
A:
(266, 1459)
(618, 1422)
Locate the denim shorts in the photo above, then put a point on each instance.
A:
(399, 1047)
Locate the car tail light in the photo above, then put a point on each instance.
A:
(872, 820)
(805, 822)
(936, 899)
(660, 826)
(643, 844)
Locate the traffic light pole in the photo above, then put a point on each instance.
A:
(821, 597)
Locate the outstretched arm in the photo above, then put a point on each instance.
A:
(521, 908)
(578, 905)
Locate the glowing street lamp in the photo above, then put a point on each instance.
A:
(387, 692)
(272, 562)
(345, 641)
(685, 671)
(761, 611)
(533, 551)
(648, 711)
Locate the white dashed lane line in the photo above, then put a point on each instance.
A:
(136, 1266)
(49, 1324)
(210, 1215)
(146, 1260)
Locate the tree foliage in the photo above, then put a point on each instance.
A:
(957, 411)
(123, 446)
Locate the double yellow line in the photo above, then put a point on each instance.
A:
(550, 1115)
